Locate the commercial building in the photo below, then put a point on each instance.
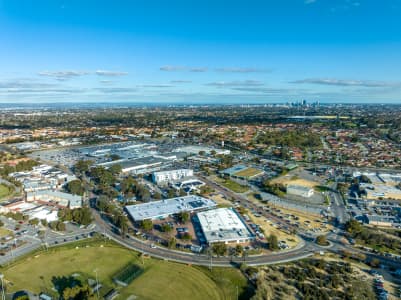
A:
(299, 190)
(164, 208)
(382, 221)
(206, 150)
(223, 225)
(42, 213)
(142, 165)
(56, 197)
(188, 184)
(163, 177)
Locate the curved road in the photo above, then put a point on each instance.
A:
(305, 250)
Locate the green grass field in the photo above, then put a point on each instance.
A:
(4, 232)
(234, 186)
(5, 191)
(160, 279)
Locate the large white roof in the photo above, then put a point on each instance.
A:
(164, 208)
(222, 224)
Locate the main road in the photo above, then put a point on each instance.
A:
(305, 249)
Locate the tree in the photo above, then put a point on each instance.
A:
(273, 242)
(322, 240)
(115, 169)
(147, 225)
(102, 176)
(219, 248)
(186, 236)
(157, 196)
(57, 225)
(353, 226)
(166, 227)
(128, 186)
(75, 187)
(171, 193)
(1, 223)
(183, 216)
(114, 157)
(122, 223)
(43, 222)
(34, 221)
(375, 263)
(142, 193)
(78, 292)
(172, 243)
(82, 166)
(238, 250)
(60, 226)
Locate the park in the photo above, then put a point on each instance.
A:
(105, 260)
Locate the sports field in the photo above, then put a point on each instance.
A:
(232, 185)
(160, 279)
(287, 179)
(5, 191)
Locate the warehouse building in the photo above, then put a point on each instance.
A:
(193, 149)
(224, 225)
(299, 190)
(164, 208)
(381, 221)
(163, 177)
(142, 165)
(56, 197)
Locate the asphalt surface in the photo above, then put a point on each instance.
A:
(304, 250)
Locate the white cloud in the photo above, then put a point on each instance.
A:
(236, 83)
(110, 73)
(346, 82)
(63, 75)
(242, 70)
(170, 68)
(180, 81)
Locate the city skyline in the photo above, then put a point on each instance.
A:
(343, 51)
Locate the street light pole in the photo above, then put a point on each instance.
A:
(3, 296)
(97, 284)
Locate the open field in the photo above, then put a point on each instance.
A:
(5, 191)
(4, 232)
(167, 280)
(269, 229)
(307, 221)
(219, 199)
(249, 172)
(289, 179)
(231, 185)
(160, 280)
(65, 261)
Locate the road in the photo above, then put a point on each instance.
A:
(306, 250)
(28, 239)
(337, 205)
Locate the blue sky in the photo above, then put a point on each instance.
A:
(200, 51)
